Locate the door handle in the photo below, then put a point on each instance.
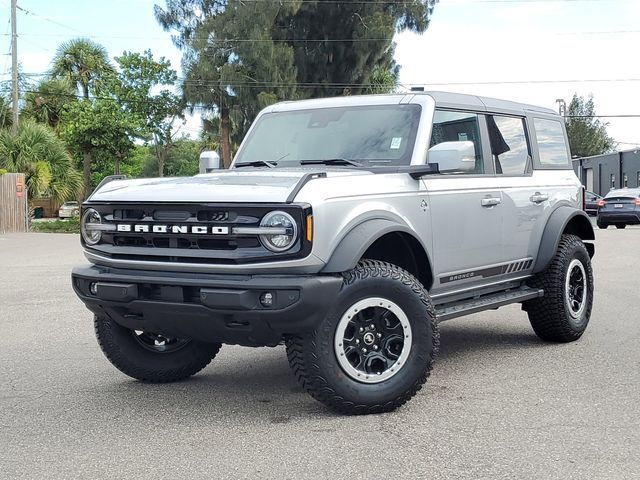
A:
(539, 197)
(490, 201)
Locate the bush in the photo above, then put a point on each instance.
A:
(58, 226)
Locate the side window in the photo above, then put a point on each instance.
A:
(509, 146)
(449, 126)
(551, 143)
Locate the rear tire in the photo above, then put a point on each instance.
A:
(603, 226)
(149, 357)
(621, 226)
(375, 349)
(562, 315)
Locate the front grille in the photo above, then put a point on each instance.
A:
(167, 233)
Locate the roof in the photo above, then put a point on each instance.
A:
(442, 99)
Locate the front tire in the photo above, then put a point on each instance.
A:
(375, 349)
(602, 226)
(563, 313)
(621, 226)
(150, 357)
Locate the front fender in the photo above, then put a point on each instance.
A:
(356, 242)
(563, 220)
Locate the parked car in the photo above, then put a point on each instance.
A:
(69, 210)
(349, 229)
(591, 203)
(619, 207)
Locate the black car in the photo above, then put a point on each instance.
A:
(591, 203)
(620, 208)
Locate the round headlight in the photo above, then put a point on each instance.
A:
(90, 218)
(279, 242)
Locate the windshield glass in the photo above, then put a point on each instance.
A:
(379, 135)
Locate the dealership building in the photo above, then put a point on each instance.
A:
(601, 173)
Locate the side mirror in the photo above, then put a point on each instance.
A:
(453, 156)
(209, 162)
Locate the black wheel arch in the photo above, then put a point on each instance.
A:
(386, 241)
(563, 220)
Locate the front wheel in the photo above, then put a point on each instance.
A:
(621, 226)
(152, 357)
(376, 348)
(602, 226)
(563, 313)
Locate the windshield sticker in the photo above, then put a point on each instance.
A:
(395, 143)
(462, 137)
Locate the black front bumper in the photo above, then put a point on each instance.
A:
(212, 308)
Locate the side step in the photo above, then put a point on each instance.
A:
(447, 311)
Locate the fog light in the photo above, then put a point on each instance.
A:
(93, 288)
(266, 299)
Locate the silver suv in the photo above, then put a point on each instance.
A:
(347, 228)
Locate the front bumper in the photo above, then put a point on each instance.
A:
(212, 308)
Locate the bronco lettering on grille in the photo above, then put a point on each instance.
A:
(174, 229)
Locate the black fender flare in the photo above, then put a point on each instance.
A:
(356, 242)
(564, 219)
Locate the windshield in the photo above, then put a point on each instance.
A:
(380, 135)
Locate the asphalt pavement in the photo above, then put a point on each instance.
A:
(499, 404)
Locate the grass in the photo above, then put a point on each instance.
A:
(58, 226)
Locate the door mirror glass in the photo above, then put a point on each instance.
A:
(454, 157)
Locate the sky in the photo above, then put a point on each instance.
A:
(533, 51)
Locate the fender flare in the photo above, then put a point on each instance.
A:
(356, 242)
(556, 226)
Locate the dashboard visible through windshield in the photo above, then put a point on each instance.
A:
(368, 136)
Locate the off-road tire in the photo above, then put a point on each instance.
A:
(313, 357)
(621, 226)
(549, 315)
(127, 355)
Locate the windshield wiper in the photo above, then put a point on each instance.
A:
(331, 161)
(256, 163)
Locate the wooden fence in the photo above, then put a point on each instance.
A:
(13, 203)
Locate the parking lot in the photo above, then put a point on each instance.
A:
(499, 404)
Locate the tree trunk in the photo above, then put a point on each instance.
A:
(225, 137)
(162, 156)
(116, 164)
(86, 168)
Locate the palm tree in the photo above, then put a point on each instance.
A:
(36, 151)
(45, 103)
(84, 63)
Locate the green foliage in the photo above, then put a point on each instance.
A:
(46, 102)
(71, 225)
(5, 113)
(36, 151)
(300, 50)
(182, 160)
(587, 135)
(83, 63)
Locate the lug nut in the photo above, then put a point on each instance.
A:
(364, 350)
(361, 329)
(375, 347)
(372, 326)
(357, 341)
(379, 335)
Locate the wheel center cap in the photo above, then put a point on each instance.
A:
(369, 338)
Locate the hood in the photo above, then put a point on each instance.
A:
(251, 186)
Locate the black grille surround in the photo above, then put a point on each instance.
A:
(220, 249)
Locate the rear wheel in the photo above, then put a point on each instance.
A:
(375, 349)
(621, 226)
(563, 313)
(602, 225)
(152, 357)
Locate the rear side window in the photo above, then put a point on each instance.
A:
(509, 146)
(551, 143)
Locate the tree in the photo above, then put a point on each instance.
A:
(48, 99)
(587, 134)
(36, 151)
(140, 77)
(6, 115)
(99, 125)
(84, 64)
(242, 56)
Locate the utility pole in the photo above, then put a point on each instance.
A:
(562, 107)
(14, 64)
